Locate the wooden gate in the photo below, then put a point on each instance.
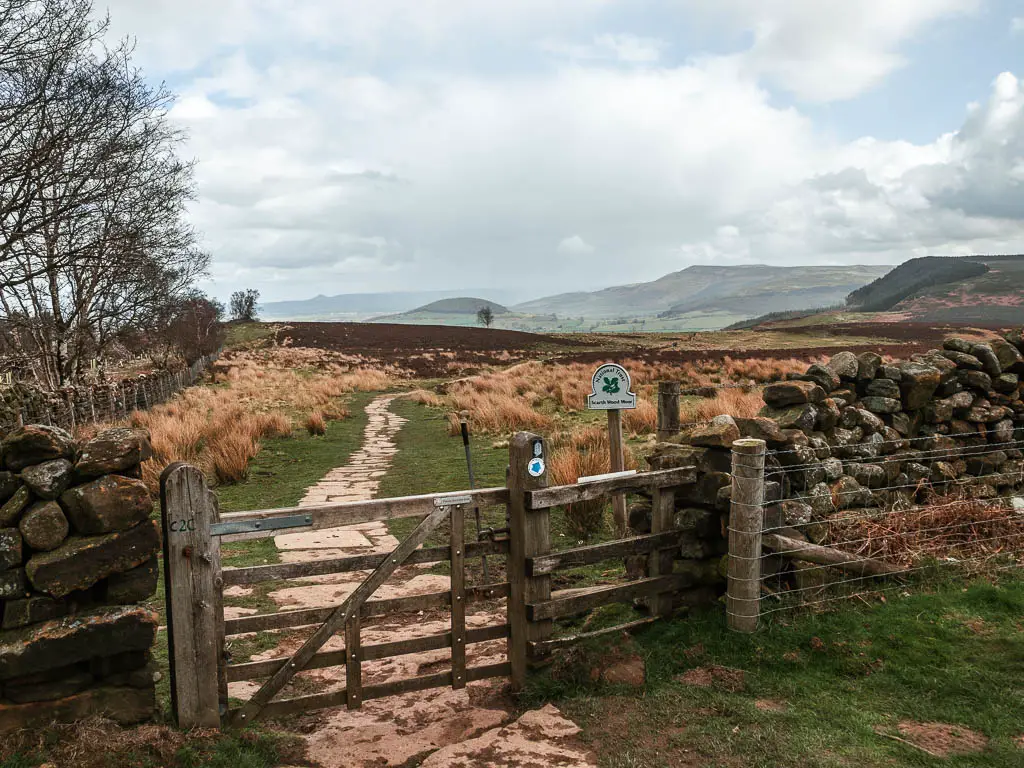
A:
(195, 580)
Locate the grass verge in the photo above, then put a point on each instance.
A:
(281, 472)
(816, 691)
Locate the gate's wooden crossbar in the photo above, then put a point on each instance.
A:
(338, 618)
(304, 617)
(255, 574)
(560, 495)
(334, 514)
(252, 670)
(407, 685)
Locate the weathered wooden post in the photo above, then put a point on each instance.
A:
(192, 586)
(660, 561)
(746, 513)
(610, 391)
(529, 535)
(668, 409)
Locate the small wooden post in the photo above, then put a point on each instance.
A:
(660, 561)
(354, 661)
(743, 596)
(458, 588)
(529, 535)
(618, 464)
(195, 611)
(668, 409)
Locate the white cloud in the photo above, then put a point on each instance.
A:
(826, 50)
(348, 147)
(627, 49)
(575, 246)
(1017, 25)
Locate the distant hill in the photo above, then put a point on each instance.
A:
(911, 278)
(462, 305)
(359, 306)
(987, 290)
(737, 291)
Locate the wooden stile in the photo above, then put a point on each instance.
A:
(595, 553)
(560, 495)
(581, 600)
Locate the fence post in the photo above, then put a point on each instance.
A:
(192, 587)
(746, 513)
(668, 409)
(529, 535)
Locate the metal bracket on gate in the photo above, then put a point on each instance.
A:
(270, 524)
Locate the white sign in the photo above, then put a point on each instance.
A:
(535, 467)
(453, 501)
(610, 389)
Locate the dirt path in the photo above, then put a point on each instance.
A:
(402, 730)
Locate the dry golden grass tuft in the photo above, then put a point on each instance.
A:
(425, 397)
(577, 455)
(316, 423)
(534, 395)
(738, 402)
(219, 428)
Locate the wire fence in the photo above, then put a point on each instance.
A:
(930, 512)
(70, 408)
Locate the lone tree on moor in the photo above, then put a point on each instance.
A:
(485, 316)
(243, 305)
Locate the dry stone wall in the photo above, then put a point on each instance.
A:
(22, 403)
(78, 550)
(857, 433)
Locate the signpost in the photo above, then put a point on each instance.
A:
(610, 391)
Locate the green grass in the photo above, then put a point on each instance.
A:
(955, 655)
(431, 461)
(248, 334)
(127, 748)
(281, 472)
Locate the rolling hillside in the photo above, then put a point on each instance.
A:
(738, 291)
(971, 289)
(359, 306)
(459, 306)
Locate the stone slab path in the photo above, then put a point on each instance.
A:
(405, 729)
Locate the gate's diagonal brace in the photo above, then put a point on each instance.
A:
(353, 603)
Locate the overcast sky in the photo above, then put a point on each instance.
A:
(550, 145)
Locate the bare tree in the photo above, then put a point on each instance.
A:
(243, 305)
(93, 239)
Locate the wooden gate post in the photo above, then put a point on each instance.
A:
(746, 517)
(195, 609)
(668, 409)
(529, 535)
